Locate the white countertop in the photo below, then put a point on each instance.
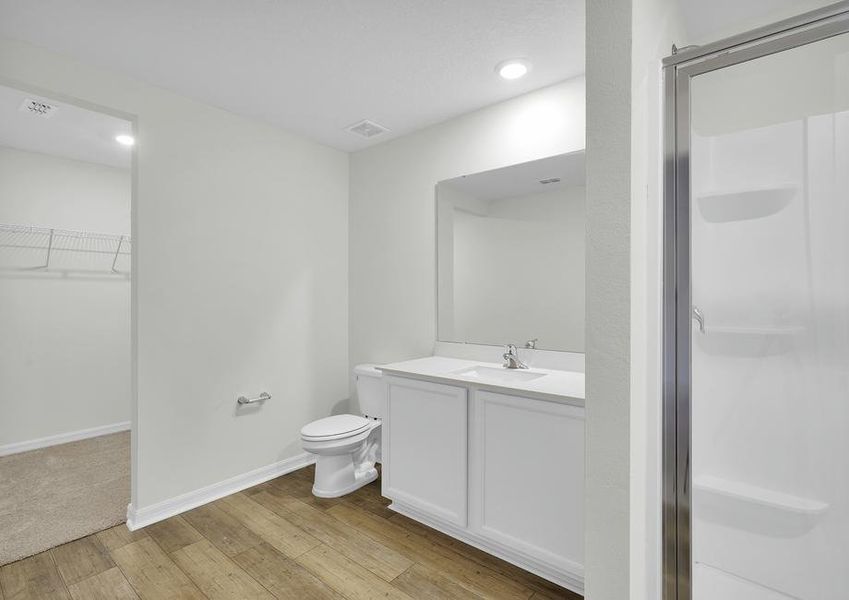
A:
(559, 386)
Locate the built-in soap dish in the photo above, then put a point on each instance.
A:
(743, 205)
(753, 508)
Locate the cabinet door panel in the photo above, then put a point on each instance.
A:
(528, 486)
(426, 436)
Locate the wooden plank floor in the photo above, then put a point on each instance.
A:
(275, 540)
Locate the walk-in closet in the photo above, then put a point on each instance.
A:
(65, 375)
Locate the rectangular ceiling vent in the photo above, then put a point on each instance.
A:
(38, 108)
(550, 180)
(367, 129)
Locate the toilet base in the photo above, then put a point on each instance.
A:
(336, 475)
(344, 486)
(344, 465)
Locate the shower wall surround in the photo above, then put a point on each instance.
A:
(769, 358)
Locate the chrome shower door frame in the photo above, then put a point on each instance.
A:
(678, 70)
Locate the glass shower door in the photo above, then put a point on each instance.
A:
(769, 338)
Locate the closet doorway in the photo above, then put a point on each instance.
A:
(66, 392)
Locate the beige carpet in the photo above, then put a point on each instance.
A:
(58, 494)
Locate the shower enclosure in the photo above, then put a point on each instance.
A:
(756, 316)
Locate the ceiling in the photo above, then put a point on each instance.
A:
(69, 132)
(523, 179)
(317, 66)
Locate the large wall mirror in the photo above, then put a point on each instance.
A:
(510, 255)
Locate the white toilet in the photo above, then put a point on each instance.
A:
(347, 446)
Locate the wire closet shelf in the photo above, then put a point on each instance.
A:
(32, 248)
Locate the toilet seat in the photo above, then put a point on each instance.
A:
(334, 428)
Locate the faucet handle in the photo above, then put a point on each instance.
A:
(511, 349)
(531, 344)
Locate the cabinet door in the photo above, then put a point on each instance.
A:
(527, 488)
(426, 447)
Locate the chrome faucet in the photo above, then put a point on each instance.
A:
(531, 344)
(511, 358)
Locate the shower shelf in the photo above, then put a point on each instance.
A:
(718, 487)
(744, 204)
(38, 246)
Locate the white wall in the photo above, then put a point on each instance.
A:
(65, 346)
(392, 210)
(607, 561)
(241, 267)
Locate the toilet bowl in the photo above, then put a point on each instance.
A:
(348, 446)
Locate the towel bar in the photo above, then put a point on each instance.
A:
(261, 398)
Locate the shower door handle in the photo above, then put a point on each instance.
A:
(699, 316)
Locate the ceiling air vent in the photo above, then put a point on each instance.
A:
(367, 129)
(550, 180)
(38, 108)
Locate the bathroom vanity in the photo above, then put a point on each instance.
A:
(491, 456)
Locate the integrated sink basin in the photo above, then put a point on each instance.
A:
(498, 375)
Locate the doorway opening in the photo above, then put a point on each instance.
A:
(66, 352)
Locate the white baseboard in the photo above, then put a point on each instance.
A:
(142, 517)
(63, 438)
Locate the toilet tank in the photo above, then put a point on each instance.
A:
(370, 390)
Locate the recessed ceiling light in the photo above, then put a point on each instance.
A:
(125, 140)
(513, 69)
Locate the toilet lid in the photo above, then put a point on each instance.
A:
(334, 426)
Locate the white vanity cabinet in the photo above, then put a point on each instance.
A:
(502, 472)
(526, 477)
(425, 449)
